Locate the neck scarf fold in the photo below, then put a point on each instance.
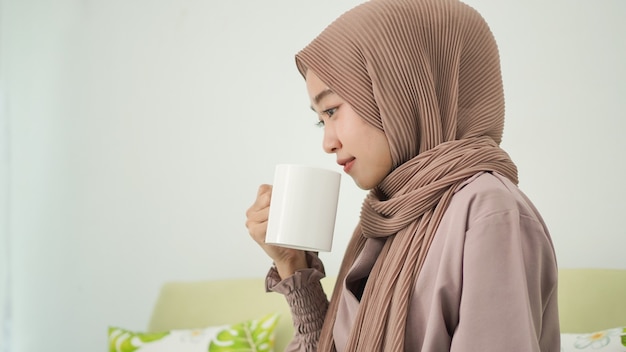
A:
(426, 73)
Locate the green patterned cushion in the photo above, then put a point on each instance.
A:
(605, 341)
(253, 335)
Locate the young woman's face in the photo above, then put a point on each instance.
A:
(361, 149)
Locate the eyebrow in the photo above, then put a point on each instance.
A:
(326, 92)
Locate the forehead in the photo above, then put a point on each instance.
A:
(314, 84)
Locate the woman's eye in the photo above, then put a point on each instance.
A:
(330, 112)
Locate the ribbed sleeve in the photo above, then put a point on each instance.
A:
(307, 300)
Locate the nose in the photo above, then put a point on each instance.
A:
(331, 143)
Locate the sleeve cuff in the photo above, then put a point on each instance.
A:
(299, 280)
(306, 298)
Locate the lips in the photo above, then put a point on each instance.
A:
(347, 164)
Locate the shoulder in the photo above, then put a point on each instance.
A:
(486, 195)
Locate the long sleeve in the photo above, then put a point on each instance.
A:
(307, 300)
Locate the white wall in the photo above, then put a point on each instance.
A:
(5, 298)
(139, 131)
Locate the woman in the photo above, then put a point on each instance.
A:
(449, 255)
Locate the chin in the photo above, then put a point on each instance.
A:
(366, 186)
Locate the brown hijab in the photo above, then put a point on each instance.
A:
(426, 73)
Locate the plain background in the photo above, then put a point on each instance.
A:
(134, 135)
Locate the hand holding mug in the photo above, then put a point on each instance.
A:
(287, 260)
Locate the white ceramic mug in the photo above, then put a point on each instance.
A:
(303, 207)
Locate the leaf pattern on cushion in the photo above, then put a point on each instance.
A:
(254, 336)
(122, 340)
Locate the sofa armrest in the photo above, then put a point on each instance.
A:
(591, 299)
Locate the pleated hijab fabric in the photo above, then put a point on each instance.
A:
(427, 74)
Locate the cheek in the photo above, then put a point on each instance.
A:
(353, 132)
(381, 153)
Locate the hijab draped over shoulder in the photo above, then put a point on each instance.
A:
(427, 74)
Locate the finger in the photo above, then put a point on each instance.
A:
(257, 215)
(264, 188)
(257, 232)
(262, 201)
(258, 212)
(264, 195)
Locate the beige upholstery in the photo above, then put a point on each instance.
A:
(592, 299)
